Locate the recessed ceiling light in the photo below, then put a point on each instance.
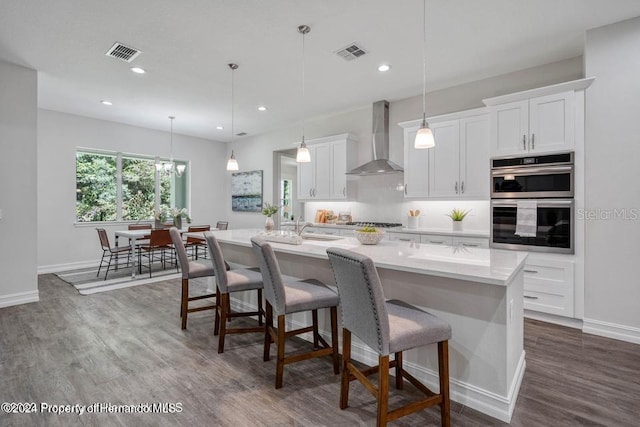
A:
(262, 108)
(219, 127)
(105, 102)
(384, 67)
(138, 70)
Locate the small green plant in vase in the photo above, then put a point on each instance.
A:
(457, 215)
(269, 210)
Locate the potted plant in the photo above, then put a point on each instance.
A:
(177, 215)
(457, 215)
(269, 210)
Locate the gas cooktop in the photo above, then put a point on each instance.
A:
(375, 224)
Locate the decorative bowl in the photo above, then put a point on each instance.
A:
(368, 237)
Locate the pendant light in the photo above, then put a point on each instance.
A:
(170, 167)
(232, 164)
(424, 137)
(303, 155)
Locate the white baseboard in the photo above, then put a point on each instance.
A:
(492, 404)
(55, 268)
(553, 318)
(19, 298)
(611, 330)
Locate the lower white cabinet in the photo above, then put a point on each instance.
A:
(404, 237)
(436, 239)
(549, 285)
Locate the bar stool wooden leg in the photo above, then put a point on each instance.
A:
(268, 329)
(334, 340)
(224, 305)
(216, 327)
(260, 309)
(346, 359)
(443, 365)
(280, 343)
(399, 383)
(314, 316)
(383, 390)
(185, 301)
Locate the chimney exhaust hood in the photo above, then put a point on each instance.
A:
(379, 144)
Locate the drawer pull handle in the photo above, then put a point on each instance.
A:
(473, 245)
(436, 241)
(404, 240)
(530, 271)
(530, 297)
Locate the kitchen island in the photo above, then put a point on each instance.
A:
(478, 291)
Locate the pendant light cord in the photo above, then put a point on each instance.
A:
(303, 86)
(232, 103)
(171, 139)
(424, 61)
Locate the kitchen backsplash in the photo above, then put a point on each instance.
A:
(432, 213)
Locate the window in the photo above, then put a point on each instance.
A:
(117, 186)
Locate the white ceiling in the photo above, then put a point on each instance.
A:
(187, 44)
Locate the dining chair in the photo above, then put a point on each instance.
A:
(386, 327)
(288, 296)
(190, 270)
(159, 242)
(228, 282)
(222, 225)
(195, 243)
(115, 251)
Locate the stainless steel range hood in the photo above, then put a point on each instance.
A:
(379, 144)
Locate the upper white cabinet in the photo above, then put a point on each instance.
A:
(458, 166)
(535, 121)
(324, 177)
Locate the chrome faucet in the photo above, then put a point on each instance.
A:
(299, 229)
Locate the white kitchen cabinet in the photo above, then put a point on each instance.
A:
(436, 239)
(549, 285)
(324, 177)
(458, 165)
(533, 124)
(471, 242)
(403, 237)
(416, 161)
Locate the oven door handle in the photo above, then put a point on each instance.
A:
(541, 203)
(524, 171)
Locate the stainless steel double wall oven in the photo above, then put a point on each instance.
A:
(547, 179)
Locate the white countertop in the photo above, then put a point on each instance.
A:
(488, 266)
(442, 231)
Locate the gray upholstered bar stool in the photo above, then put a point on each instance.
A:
(387, 327)
(190, 270)
(294, 296)
(238, 280)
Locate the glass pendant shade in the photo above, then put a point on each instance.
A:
(424, 137)
(303, 155)
(232, 163)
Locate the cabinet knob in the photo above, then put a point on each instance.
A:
(524, 142)
(533, 141)
(311, 192)
(530, 271)
(462, 187)
(344, 191)
(456, 187)
(530, 297)
(405, 189)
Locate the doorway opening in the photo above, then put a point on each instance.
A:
(285, 187)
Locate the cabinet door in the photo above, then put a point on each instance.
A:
(444, 160)
(509, 128)
(552, 122)
(474, 157)
(322, 160)
(306, 177)
(338, 170)
(416, 171)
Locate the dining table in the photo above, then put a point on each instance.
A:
(142, 234)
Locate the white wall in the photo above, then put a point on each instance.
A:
(612, 287)
(377, 197)
(18, 180)
(61, 242)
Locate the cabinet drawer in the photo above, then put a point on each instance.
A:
(347, 232)
(471, 242)
(548, 286)
(436, 239)
(324, 230)
(404, 237)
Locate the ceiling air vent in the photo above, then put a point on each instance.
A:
(123, 52)
(241, 134)
(351, 52)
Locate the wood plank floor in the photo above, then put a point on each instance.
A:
(126, 347)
